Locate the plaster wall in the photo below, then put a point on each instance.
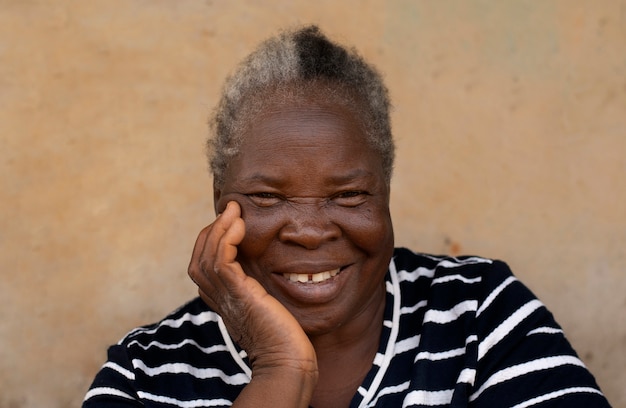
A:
(510, 119)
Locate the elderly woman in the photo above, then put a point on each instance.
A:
(303, 299)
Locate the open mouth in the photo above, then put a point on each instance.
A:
(312, 278)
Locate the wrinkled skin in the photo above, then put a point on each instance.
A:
(305, 195)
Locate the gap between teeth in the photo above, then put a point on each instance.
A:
(311, 278)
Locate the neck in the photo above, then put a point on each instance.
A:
(345, 356)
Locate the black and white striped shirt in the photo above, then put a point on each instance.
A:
(458, 332)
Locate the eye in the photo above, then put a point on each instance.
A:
(350, 198)
(264, 199)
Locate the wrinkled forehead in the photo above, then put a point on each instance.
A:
(320, 95)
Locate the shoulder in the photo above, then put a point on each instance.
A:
(186, 321)
(407, 260)
(168, 360)
(513, 351)
(192, 333)
(439, 269)
(473, 283)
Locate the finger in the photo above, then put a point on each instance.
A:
(194, 270)
(203, 264)
(206, 243)
(226, 254)
(218, 229)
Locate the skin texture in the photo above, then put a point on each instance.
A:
(306, 194)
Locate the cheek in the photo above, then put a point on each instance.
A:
(262, 227)
(370, 229)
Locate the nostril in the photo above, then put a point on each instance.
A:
(307, 224)
(307, 235)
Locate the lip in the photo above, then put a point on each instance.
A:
(316, 292)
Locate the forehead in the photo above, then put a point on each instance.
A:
(304, 123)
(326, 138)
(298, 98)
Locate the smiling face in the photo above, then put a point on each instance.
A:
(316, 207)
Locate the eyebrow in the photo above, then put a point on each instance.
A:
(336, 179)
(350, 176)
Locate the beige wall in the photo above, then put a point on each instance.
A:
(510, 119)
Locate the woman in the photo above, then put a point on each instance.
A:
(304, 300)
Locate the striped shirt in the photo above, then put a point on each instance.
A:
(457, 332)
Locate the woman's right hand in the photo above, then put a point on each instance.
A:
(281, 354)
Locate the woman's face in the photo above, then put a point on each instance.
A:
(315, 203)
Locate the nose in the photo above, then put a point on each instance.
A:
(308, 226)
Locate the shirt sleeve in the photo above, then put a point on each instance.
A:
(113, 386)
(524, 359)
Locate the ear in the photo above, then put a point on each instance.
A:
(217, 193)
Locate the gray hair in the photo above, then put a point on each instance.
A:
(290, 65)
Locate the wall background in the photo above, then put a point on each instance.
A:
(510, 120)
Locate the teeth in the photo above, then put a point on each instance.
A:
(318, 277)
(311, 278)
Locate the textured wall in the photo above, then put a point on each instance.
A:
(510, 119)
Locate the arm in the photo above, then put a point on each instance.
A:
(113, 385)
(284, 365)
(523, 355)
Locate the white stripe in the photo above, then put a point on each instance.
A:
(557, 394)
(378, 359)
(449, 278)
(412, 276)
(415, 307)
(544, 330)
(495, 294)
(447, 316)
(407, 344)
(393, 336)
(506, 326)
(469, 260)
(428, 398)
(200, 373)
(116, 367)
(394, 389)
(441, 355)
(196, 320)
(185, 404)
(206, 350)
(518, 370)
(388, 287)
(94, 392)
(467, 376)
(455, 262)
(233, 350)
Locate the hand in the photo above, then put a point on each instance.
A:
(262, 326)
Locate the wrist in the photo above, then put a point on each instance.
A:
(291, 384)
(280, 384)
(304, 367)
